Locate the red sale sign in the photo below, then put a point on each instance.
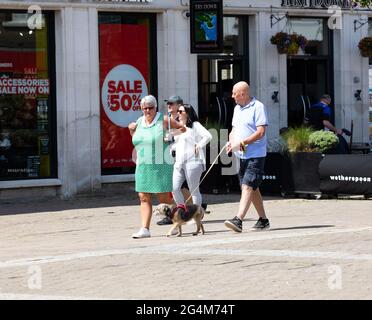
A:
(21, 74)
(121, 99)
(124, 76)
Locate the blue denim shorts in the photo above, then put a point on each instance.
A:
(251, 172)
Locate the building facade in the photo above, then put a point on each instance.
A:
(72, 74)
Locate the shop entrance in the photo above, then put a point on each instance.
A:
(308, 79)
(310, 74)
(216, 79)
(217, 74)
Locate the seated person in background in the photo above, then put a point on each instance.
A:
(319, 117)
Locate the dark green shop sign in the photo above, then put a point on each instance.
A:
(206, 31)
(315, 4)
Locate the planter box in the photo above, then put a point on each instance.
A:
(315, 173)
(295, 173)
(346, 174)
(304, 170)
(292, 173)
(272, 180)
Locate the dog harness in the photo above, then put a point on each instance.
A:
(170, 213)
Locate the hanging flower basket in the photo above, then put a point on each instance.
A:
(288, 43)
(365, 47)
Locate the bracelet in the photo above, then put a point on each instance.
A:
(242, 146)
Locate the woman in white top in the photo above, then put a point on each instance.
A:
(190, 159)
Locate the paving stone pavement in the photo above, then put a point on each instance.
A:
(82, 249)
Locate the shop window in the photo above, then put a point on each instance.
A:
(233, 35)
(27, 98)
(315, 30)
(127, 50)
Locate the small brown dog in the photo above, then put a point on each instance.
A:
(181, 215)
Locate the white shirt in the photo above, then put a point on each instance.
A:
(185, 144)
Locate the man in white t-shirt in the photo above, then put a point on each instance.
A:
(248, 141)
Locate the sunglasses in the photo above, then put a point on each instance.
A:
(148, 108)
(181, 111)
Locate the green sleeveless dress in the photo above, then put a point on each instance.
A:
(154, 166)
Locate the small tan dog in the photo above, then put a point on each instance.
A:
(181, 215)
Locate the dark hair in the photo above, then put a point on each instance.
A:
(326, 97)
(192, 116)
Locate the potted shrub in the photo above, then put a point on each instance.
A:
(298, 139)
(288, 43)
(365, 47)
(302, 161)
(323, 141)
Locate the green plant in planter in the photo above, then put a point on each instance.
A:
(322, 141)
(298, 139)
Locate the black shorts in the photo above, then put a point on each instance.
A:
(251, 172)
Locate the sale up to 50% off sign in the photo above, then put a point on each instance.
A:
(121, 95)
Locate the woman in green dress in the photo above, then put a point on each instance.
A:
(154, 164)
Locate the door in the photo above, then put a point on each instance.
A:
(216, 79)
(307, 80)
(216, 107)
(309, 75)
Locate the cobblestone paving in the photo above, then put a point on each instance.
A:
(82, 249)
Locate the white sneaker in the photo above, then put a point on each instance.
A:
(142, 233)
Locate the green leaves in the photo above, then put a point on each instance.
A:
(362, 3)
(298, 139)
(323, 141)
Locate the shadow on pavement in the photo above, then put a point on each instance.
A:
(99, 200)
(304, 227)
(232, 197)
(222, 221)
(57, 204)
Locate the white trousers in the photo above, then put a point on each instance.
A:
(191, 172)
